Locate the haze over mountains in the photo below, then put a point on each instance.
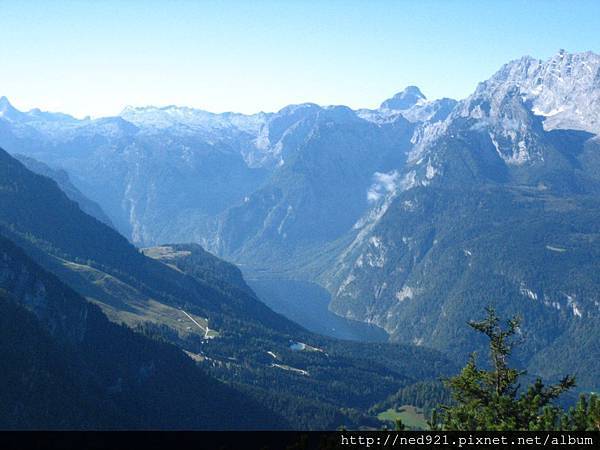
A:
(413, 217)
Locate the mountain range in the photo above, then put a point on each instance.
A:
(413, 217)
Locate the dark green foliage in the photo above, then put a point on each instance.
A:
(426, 395)
(204, 266)
(585, 415)
(493, 399)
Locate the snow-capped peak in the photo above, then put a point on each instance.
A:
(194, 120)
(565, 89)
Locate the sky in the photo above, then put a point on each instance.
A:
(96, 57)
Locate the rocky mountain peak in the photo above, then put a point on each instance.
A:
(565, 89)
(406, 99)
(8, 111)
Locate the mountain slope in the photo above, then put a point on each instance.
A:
(64, 183)
(320, 191)
(496, 205)
(69, 236)
(69, 367)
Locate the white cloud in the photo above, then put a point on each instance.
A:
(383, 183)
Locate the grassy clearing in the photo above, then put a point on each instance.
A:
(411, 417)
(164, 253)
(123, 303)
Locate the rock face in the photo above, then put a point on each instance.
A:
(565, 90)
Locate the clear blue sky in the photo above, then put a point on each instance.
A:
(96, 57)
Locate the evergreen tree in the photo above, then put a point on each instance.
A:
(492, 399)
(585, 415)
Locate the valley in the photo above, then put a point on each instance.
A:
(318, 262)
(229, 332)
(307, 304)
